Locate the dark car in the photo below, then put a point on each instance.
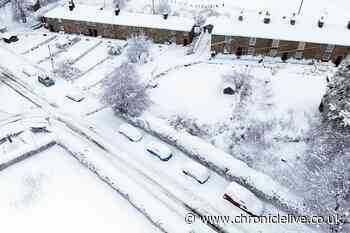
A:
(46, 80)
(8, 38)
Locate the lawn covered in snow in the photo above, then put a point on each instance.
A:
(15, 103)
(52, 192)
(276, 117)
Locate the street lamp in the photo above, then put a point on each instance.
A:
(301, 5)
(51, 59)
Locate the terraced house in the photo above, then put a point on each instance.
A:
(253, 33)
(94, 21)
(243, 33)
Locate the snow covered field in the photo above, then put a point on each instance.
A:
(189, 86)
(53, 192)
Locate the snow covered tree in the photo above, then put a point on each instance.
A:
(336, 102)
(66, 70)
(327, 184)
(138, 49)
(124, 92)
(120, 3)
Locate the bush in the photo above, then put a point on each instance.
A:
(190, 125)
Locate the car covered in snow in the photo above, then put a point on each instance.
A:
(45, 80)
(197, 171)
(130, 132)
(160, 150)
(243, 199)
(75, 95)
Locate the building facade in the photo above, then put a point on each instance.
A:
(159, 28)
(284, 49)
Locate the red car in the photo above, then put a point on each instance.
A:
(243, 199)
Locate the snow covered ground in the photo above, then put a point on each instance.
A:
(169, 174)
(53, 192)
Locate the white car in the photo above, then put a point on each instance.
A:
(75, 95)
(243, 199)
(197, 171)
(130, 132)
(160, 150)
(29, 71)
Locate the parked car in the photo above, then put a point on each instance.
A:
(130, 132)
(243, 199)
(197, 171)
(46, 80)
(160, 150)
(8, 37)
(29, 71)
(36, 25)
(75, 95)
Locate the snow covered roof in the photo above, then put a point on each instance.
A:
(107, 16)
(305, 29)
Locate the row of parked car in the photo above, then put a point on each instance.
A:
(235, 193)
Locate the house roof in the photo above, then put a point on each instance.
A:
(306, 28)
(107, 16)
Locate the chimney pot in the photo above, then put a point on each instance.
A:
(240, 17)
(292, 20)
(321, 22)
(165, 15)
(267, 18)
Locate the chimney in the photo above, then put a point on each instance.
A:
(165, 15)
(292, 20)
(267, 18)
(71, 5)
(240, 17)
(117, 10)
(349, 25)
(321, 22)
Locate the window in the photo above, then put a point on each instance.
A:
(251, 51)
(301, 46)
(275, 43)
(252, 41)
(327, 55)
(299, 54)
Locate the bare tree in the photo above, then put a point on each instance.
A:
(124, 92)
(138, 49)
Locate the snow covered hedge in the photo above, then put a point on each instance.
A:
(26, 152)
(224, 164)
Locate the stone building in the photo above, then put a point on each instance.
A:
(286, 37)
(93, 21)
